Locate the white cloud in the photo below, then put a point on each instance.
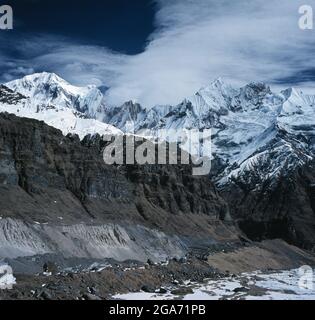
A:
(198, 41)
(195, 42)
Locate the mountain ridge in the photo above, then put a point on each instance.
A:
(244, 122)
(261, 143)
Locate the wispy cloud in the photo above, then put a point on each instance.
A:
(79, 64)
(195, 41)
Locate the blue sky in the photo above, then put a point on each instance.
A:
(159, 51)
(121, 25)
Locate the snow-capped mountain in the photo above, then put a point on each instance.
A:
(263, 143)
(133, 112)
(49, 89)
(49, 98)
(257, 135)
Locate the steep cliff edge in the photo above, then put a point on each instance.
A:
(58, 196)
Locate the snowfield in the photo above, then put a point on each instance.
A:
(282, 285)
(47, 97)
(7, 280)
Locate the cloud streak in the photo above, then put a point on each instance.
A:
(194, 42)
(197, 41)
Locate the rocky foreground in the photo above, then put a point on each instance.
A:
(73, 227)
(174, 279)
(58, 196)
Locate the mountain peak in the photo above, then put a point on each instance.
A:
(42, 77)
(256, 88)
(290, 92)
(218, 82)
(29, 82)
(49, 89)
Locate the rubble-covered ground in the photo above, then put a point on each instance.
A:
(213, 276)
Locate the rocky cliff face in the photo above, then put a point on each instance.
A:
(285, 209)
(57, 195)
(262, 154)
(262, 162)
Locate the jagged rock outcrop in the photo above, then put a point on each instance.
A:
(8, 96)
